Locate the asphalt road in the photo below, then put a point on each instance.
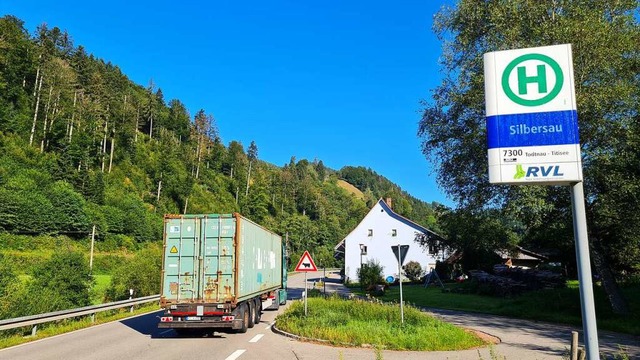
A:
(139, 338)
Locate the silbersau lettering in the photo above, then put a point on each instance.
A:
(524, 129)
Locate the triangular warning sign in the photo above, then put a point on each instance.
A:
(306, 263)
(174, 250)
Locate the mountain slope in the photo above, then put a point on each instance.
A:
(82, 145)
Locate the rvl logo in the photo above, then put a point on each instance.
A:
(538, 172)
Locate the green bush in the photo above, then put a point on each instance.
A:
(107, 263)
(370, 274)
(413, 270)
(68, 206)
(141, 273)
(62, 282)
(27, 211)
(25, 262)
(115, 242)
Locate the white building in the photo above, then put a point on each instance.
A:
(372, 239)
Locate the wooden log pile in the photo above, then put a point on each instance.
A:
(514, 281)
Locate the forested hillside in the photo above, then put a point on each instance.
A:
(82, 145)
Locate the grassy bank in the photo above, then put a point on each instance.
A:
(99, 288)
(360, 323)
(558, 305)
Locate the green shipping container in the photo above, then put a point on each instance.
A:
(218, 258)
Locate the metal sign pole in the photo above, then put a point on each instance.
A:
(305, 293)
(324, 281)
(584, 271)
(400, 277)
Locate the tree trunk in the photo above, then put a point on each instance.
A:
(104, 144)
(46, 120)
(35, 84)
(186, 203)
(113, 145)
(618, 303)
(35, 113)
(246, 192)
(135, 139)
(198, 156)
(54, 114)
(73, 114)
(151, 127)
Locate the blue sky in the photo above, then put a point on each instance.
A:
(337, 81)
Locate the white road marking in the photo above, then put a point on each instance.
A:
(236, 354)
(166, 331)
(270, 325)
(256, 338)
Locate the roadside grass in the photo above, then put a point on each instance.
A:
(15, 337)
(99, 289)
(558, 305)
(362, 323)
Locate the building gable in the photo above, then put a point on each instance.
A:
(373, 237)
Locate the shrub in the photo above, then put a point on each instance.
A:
(68, 207)
(370, 274)
(62, 282)
(413, 270)
(141, 273)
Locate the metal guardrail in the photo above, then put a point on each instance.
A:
(34, 320)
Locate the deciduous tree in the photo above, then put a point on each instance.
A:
(604, 37)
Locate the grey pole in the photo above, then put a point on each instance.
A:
(584, 271)
(400, 276)
(306, 295)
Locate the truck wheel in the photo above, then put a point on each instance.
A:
(258, 311)
(252, 313)
(244, 314)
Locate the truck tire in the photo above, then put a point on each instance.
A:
(244, 315)
(252, 313)
(258, 311)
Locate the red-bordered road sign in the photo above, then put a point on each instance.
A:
(306, 263)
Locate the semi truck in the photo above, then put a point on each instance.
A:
(219, 271)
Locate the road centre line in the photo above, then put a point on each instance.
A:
(236, 354)
(256, 338)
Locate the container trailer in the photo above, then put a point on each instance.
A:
(219, 271)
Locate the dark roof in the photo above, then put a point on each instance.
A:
(406, 221)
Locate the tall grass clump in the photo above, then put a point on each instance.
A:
(358, 323)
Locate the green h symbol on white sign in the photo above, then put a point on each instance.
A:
(540, 79)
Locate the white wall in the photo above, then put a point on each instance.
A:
(379, 245)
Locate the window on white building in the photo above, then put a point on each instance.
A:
(394, 232)
(370, 232)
